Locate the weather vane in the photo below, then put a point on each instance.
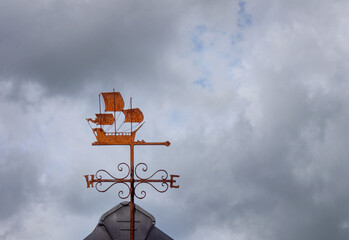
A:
(114, 102)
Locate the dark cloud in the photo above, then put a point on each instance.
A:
(260, 143)
(65, 45)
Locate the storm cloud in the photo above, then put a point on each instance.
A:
(252, 96)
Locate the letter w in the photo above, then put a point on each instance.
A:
(89, 182)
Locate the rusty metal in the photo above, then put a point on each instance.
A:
(164, 179)
(132, 189)
(130, 179)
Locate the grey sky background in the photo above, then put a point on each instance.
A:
(252, 95)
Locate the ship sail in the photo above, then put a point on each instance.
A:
(104, 119)
(133, 115)
(113, 101)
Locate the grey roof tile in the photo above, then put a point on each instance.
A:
(115, 225)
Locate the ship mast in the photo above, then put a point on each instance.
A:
(131, 112)
(114, 112)
(99, 99)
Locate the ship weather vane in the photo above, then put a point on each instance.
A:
(131, 179)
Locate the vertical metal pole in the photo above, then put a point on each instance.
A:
(114, 112)
(131, 113)
(99, 98)
(132, 204)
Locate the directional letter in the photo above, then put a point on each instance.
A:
(89, 182)
(173, 181)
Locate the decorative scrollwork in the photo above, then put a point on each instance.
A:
(147, 180)
(113, 181)
(120, 168)
(121, 193)
(145, 168)
(143, 193)
(160, 183)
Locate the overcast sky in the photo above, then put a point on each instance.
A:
(253, 96)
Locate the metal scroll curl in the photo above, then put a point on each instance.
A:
(122, 194)
(164, 175)
(161, 184)
(100, 180)
(120, 169)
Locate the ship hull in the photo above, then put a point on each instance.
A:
(118, 138)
